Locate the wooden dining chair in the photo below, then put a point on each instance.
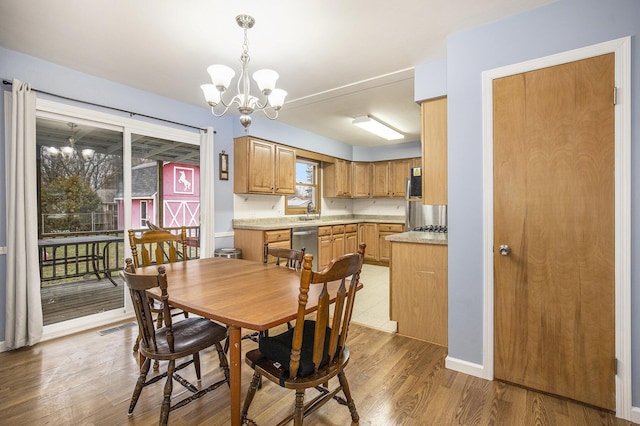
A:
(185, 338)
(284, 257)
(156, 247)
(314, 351)
(289, 258)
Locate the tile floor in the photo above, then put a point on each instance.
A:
(372, 303)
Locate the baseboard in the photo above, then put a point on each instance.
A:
(3, 347)
(465, 367)
(635, 414)
(3, 250)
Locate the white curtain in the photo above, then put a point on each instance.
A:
(23, 306)
(207, 180)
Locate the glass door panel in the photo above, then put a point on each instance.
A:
(79, 171)
(165, 186)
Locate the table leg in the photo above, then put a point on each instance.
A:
(235, 384)
(105, 266)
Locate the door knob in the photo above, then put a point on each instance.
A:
(504, 250)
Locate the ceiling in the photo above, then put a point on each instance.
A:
(337, 59)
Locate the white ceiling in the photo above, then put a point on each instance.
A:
(338, 59)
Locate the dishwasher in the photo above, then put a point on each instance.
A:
(306, 237)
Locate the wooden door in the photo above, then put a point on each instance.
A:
(554, 207)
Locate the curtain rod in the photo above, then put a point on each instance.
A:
(131, 113)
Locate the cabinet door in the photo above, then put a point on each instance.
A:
(361, 180)
(351, 242)
(337, 241)
(324, 251)
(368, 234)
(384, 247)
(400, 170)
(344, 177)
(337, 178)
(380, 179)
(434, 151)
(285, 170)
(261, 166)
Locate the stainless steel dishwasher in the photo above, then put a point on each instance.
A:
(306, 237)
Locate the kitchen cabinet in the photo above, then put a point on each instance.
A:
(384, 246)
(361, 180)
(389, 178)
(434, 151)
(251, 241)
(331, 244)
(337, 178)
(418, 291)
(262, 167)
(398, 174)
(380, 179)
(324, 246)
(368, 234)
(351, 238)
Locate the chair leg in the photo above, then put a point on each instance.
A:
(250, 394)
(168, 388)
(144, 369)
(196, 364)
(137, 344)
(298, 415)
(347, 393)
(224, 363)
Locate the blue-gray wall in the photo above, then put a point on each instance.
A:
(49, 77)
(554, 28)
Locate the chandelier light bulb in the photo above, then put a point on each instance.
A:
(266, 80)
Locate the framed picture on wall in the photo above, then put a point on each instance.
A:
(224, 166)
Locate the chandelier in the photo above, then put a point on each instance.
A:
(221, 76)
(69, 149)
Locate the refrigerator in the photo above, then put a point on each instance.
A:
(418, 215)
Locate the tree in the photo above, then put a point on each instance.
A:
(63, 202)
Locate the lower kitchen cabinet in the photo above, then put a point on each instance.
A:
(384, 246)
(368, 234)
(252, 241)
(351, 238)
(418, 290)
(331, 244)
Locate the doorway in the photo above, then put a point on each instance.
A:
(622, 147)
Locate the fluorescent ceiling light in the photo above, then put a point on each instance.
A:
(377, 128)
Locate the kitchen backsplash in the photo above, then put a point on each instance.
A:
(247, 206)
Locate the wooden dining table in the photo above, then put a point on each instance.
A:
(238, 293)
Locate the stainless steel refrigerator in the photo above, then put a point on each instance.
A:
(418, 215)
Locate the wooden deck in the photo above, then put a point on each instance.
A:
(62, 302)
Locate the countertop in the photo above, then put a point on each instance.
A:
(266, 224)
(419, 237)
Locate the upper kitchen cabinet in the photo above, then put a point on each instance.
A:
(361, 180)
(337, 178)
(262, 167)
(434, 151)
(390, 177)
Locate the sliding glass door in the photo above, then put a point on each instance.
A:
(98, 176)
(80, 241)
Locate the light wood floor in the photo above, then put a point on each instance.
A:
(87, 379)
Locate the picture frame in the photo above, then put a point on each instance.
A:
(224, 166)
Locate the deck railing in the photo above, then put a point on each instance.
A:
(91, 253)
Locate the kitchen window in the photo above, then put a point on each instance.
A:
(306, 199)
